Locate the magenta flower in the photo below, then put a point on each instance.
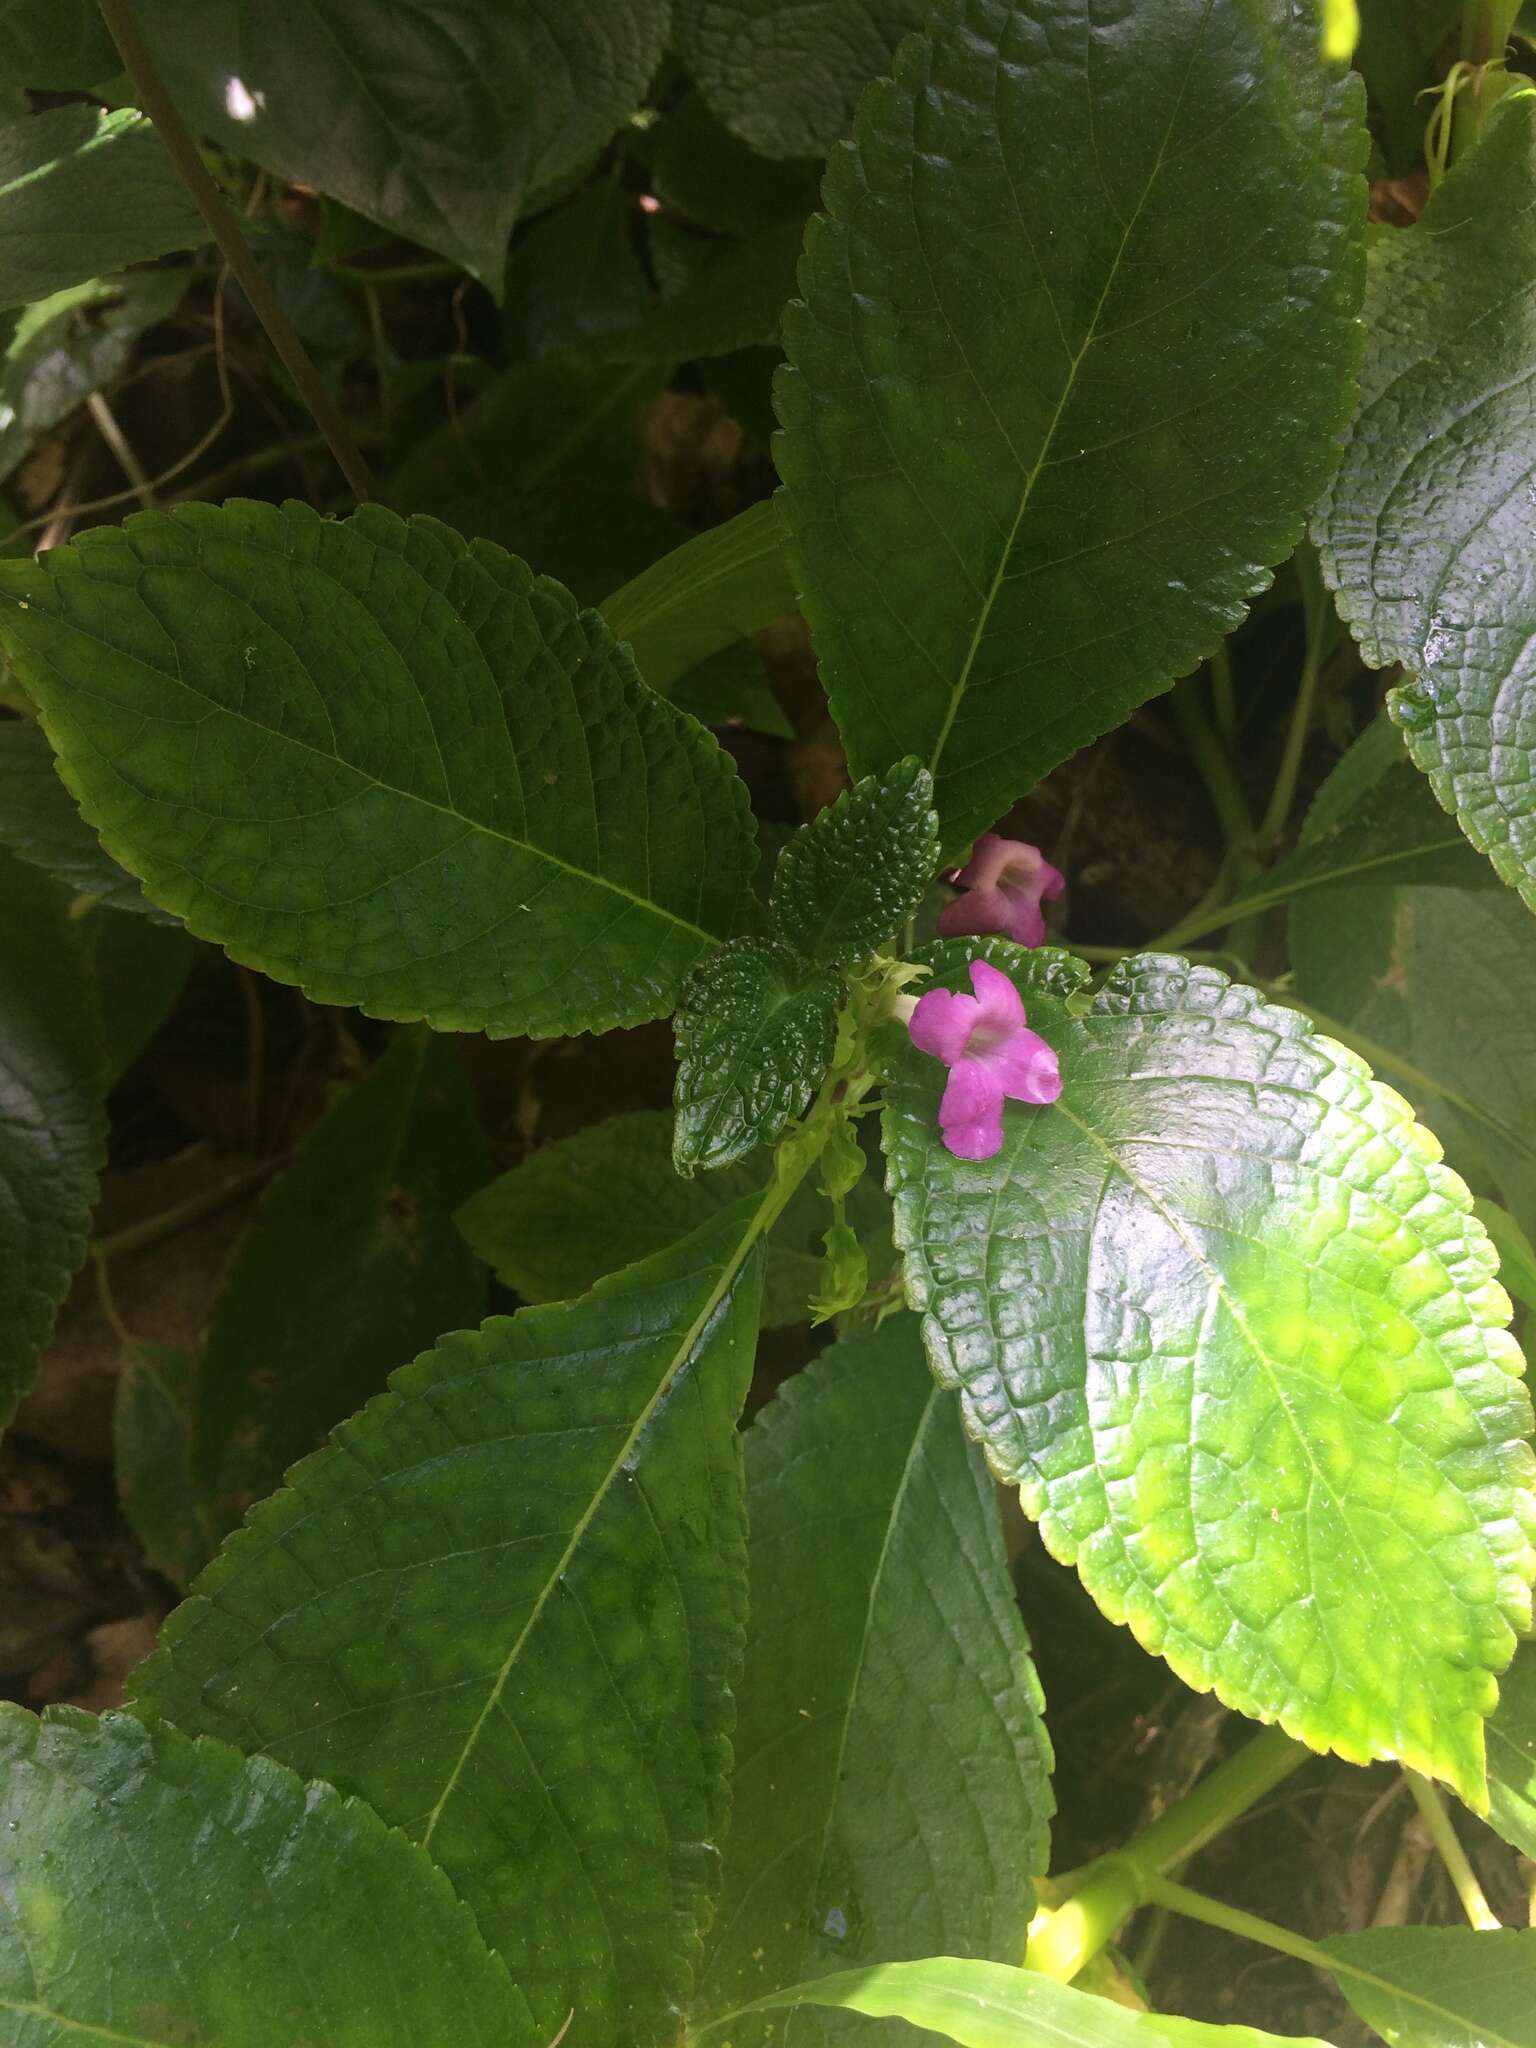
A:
(1005, 882)
(983, 1041)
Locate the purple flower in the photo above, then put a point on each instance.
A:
(983, 1041)
(1005, 881)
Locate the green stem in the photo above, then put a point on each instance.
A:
(1314, 597)
(1448, 1844)
(433, 272)
(1117, 1884)
(137, 1237)
(225, 230)
(1215, 766)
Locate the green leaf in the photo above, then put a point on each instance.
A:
(715, 588)
(608, 1197)
(60, 45)
(163, 1893)
(754, 1038)
(731, 687)
(787, 78)
(52, 1130)
(139, 967)
(352, 1266)
(364, 756)
(849, 879)
(733, 300)
(436, 118)
(1399, 42)
(72, 344)
(107, 177)
(991, 2005)
(1441, 1987)
(708, 175)
(1233, 1330)
(576, 275)
(151, 1460)
(1425, 533)
(1517, 1255)
(41, 821)
(544, 464)
(888, 1692)
(1512, 1754)
(1055, 408)
(503, 1605)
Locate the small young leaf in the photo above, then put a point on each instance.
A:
(41, 821)
(1055, 407)
(1425, 533)
(352, 1266)
(1441, 1987)
(108, 177)
(888, 1686)
(162, 1891)
(609, 1196)
(1234, 1331)
(846, 881)
(504, 1605)
(993, 2005)
(52, 1129)
(715, 588)
(754, 1038)
(393, 767)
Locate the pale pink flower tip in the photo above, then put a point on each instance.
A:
(1005, 882)
(990, 1054)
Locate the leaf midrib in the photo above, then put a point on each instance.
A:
(271, 733)
(1069, 385)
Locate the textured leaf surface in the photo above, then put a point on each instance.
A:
(991, 2005)
(52, 1130)
(1234, 1331)
(715, 588)
(504, 1605)
(1512, 1754)
(352, 1266)
(888, 1695)
(81, 193)
(1425, 534)
(435, 118)
(394, 768)
(162, 1893)
(1056, 405)
(41, 821)
(846, 881)
(1441, 1987)
(609, 1196)
(786, 78)
(754, 1038)
(60, 44)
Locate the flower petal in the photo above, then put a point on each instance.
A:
(999, 1008)
(978, 910)
(1027, 1068)
(971, 1114)
(989, 856)
(942, 1023)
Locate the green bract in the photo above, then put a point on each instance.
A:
(1032, 381)
(391, 766)
(1233, 1330)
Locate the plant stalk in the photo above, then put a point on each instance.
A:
(1314, 598)
(1117, 1884)
(225, 230)
(1448, 1844)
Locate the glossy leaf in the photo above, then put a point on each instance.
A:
(61, 45)
(1233, 1330)
(1441, 1987)
(365, 756)
(755, 1035)
(52, 1130)
(162, 1893)
(888, 1694)
(352, 1266)
(715, 588)
(504, 1605)
(607, 1197)
(993, 2005)
(849, 879)
(1512, 1754)
(40, 821)
(787, 78)
(106, 174)
(436, 118)
(1425, 534)
(1054, 408)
